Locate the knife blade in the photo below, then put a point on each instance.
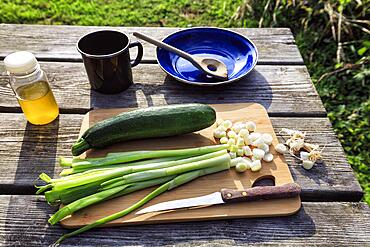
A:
(229, 196)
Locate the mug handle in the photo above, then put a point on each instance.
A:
(139, 55)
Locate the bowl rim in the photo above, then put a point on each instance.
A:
(209, 83)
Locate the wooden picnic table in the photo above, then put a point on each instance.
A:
(331, 213)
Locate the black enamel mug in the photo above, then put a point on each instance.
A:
(107, 60)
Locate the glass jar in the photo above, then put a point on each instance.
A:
(31, 88)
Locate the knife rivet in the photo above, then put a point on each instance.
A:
(244, 193)
(228, 195)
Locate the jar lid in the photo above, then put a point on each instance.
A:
(20, 62)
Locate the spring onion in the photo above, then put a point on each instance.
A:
(168, 171)
(61, 184)
(141, 155)
(177, 181)
(102, 196)
(74, 170)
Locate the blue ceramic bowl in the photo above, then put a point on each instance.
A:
(236, 51)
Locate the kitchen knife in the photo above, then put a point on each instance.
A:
(229, 196)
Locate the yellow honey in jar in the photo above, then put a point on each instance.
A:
(37, 102)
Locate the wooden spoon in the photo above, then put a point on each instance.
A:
(209, 66)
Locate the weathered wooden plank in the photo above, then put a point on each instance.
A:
(330, 178)
(57, 43)
(282, 90)
(23, 222)
(27, 150)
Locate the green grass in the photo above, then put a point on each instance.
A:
(345, 94)
(118, 13)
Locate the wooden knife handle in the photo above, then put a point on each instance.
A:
(261, 193)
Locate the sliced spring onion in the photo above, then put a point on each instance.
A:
(251, 126)
(268, 157)
(258, 153)
(241, 167)
(256, 165)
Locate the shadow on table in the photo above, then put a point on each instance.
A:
(26, 224)
(252, 88)
(256, 231)
(37, 154)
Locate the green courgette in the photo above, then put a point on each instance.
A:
(146, 123)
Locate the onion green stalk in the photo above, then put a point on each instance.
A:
(67, 162)
(84, 202)
(69, 195)
(65, 183)
(74, 170)
(103, 196)
(61, 184)
(167, 171)
(177, 181)
(141, 155)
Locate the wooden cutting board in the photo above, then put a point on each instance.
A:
(278, 170)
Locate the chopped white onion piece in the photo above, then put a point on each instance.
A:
(232, 155)
(224, 140)
(222, 128)
(247, 160)
(267, 138)
(235, 161)
(223, 134)
(243, 132)
(231, 142)
(227, 124)
(251, 126)
(240, 152)
(231, 134)
(281, 148)
(247, 151)
(256, 166)
(247, 140)
(240, 142)
(217, 133)
(241, 167)
(258, 153)
(254, 136)
(264, 147)
(237, 127)
(268, 157)
(258, 142)
(307, 164)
